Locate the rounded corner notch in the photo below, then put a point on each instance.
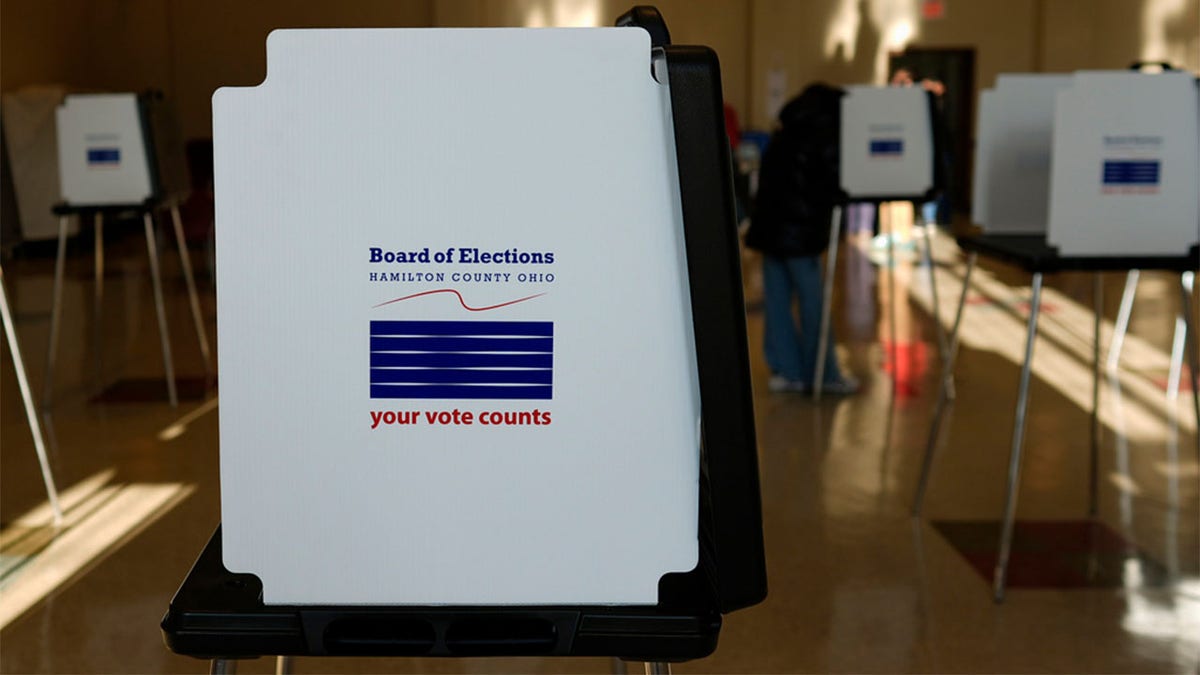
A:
(275, 37)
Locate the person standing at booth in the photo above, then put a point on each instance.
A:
(798, 189)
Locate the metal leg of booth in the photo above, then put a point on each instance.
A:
(1123, 314)
(835, 227)
(942, 341)
(952, 358)
(55, 312)
(948, 359)
(1173, 380)
(1014, 463)
(98, 294)
(1171, 527)
(160, 307)
(1094, 460)
(35, 427)
(283, 665)
(1175, 371)
(193, 297)
(891, 272)
(658, 668)
(1187, 282)
(222, 667)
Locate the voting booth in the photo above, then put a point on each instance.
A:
(887, 153)
(1100, 163)
(1092, 172)
(31, 141)
(1125, 170)
(121, 154)
(1011, 188)
(887, 144)
(103, 150)
(479, 396)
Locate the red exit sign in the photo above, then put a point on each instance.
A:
(933, 9)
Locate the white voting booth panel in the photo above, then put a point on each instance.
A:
(1126, 164)
(887, 142)
(457, 360)
(985, 138)
(102, 155)
(30, 133)
(1011, 187)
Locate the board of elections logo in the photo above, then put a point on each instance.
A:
(103, 158)
(886, 147)
(512, 360)
(1136, 167)
(462, 359)
(1132, 172)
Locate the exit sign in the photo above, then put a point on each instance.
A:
(933, 9)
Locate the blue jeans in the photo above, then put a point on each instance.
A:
(792, 353)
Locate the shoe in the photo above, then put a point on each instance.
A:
(847, 386)
(779, 383)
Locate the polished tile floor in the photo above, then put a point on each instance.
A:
(856, 584)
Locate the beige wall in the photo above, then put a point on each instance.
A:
(28, 33)
(1114, 33)
(186, 48)
(223, 42)
(787, 41)
(810, 40)
(190, 47)
(792, 38)
(720, 24)
(723, 25)
(1003, 33)
(101, 45)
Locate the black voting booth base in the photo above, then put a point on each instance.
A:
(220, 614)
(1034, 254)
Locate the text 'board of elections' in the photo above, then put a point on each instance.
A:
(457, 357)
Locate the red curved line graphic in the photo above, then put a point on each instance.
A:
(460, 300)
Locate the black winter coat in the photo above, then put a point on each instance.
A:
(798, 183)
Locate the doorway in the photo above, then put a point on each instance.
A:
(955, 68)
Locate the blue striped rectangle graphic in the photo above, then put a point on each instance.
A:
(103, 156)
(886, 147)
(1131, 172)
(511, 360)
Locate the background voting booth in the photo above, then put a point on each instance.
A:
(109, 163)
(31, 139)
(887, 144)
(484, 397)
(1125, 312)
(1011, 190)
(1119, 154)
(887, 154)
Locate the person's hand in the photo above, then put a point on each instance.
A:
(933, 86)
